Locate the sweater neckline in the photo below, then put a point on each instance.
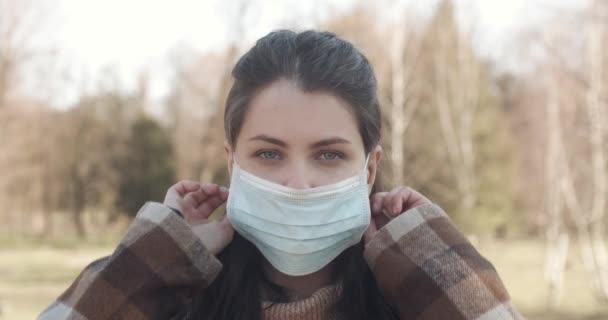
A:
(318, 306)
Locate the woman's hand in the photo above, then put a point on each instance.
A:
(386, 206)
(196, 201)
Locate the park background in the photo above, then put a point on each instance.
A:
(496, 110)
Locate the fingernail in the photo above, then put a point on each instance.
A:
(223, 189)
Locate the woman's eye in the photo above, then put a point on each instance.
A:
(330, 156)
(268, 155)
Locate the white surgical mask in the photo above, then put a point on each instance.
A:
(299, 231)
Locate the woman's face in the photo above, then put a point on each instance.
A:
(300, 139)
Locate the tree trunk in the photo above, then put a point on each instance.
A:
(595, 111)
(398, 104)
(556, 233)
(78, 205)
(77, 221)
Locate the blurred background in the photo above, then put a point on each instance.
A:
(496, 110)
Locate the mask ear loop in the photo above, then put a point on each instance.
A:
(365, 166)
(235, 166)
(234, 161)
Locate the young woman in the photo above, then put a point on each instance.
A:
(306, 235)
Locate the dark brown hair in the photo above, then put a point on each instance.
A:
(315, 61)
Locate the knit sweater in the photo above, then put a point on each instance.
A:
(424, 266)
(316, 307)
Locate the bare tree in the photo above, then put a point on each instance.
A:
(406, 49)
(196, 105)
(576, 106)
(556, 233)
(456, 91)
(20, 23)
(597, 110)
(22, 136)
(201, 87)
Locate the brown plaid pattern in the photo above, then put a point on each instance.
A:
(422, 263)
(429, 270)
(156, 267)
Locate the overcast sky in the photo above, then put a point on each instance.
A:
(129, 36)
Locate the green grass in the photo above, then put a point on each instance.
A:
(31, 277)
(520, 264)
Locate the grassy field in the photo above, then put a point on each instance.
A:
(31, 277)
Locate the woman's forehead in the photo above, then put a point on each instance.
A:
(284, 110)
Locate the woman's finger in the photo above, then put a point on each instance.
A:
(210, 188)
(397, 203)
(190, 202)
(183, 187)
(387, 203)
(203, 192)
(206, 208)
(413, 199)
(376, 202)
(224, 193)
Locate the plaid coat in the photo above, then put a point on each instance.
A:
(422, 263)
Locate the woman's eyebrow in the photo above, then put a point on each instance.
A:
(329, 141)
(263, 137)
